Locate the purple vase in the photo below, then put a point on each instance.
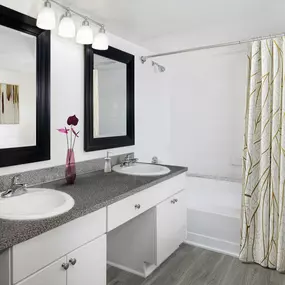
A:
(70, 170)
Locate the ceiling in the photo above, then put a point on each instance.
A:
(146, 22)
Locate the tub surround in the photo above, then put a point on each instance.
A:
(214, 177)
(91, 192)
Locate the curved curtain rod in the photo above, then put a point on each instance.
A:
(145, 58)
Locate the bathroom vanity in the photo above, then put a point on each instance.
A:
(131, 222)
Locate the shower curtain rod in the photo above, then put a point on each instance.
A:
(145, 58)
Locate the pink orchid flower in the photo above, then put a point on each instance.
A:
(63, 130)
(72, 121)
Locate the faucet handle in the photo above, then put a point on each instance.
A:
(154, 160)
(128, 157)
(15, 179)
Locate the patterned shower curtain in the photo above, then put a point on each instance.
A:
(263, 232)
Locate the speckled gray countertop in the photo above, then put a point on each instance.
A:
(90, 192)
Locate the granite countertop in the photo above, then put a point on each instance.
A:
(91, 192)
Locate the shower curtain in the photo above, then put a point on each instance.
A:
(262, 231)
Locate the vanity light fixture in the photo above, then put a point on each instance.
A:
(46, 20)
(66, 27)
(84, 34)
(46, 17)
(101, 41)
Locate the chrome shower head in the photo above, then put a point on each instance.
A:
(160, 68)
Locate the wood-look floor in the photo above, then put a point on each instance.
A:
(195, 266)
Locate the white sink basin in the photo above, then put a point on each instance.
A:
(142, 169)
(37, 203)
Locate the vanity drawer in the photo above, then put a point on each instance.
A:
(124, 210)
(34, 254)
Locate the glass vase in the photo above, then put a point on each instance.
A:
(70, 169)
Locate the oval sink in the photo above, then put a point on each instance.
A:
(142, 169)
(37, 203)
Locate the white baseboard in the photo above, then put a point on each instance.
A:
(213, 244)
(124, 268)
(149, 268)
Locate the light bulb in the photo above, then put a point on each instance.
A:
(46, 17)
(101, 41)
(84, 34)
(66, 28)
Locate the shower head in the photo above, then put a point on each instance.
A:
(160, 68)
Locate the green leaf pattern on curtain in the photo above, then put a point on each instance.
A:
(262, 231)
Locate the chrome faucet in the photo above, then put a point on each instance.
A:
(128, 160)
(154, 160)
(15, 189)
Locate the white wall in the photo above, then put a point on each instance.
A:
(207, 110)
(67, 88)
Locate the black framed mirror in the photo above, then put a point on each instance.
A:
(109, 99)
(24, 89)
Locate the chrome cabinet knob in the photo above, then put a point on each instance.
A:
(176, 200)
(172, 201)
(137, 206)
(72, 261)
(65, 266)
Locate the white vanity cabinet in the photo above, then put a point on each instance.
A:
(135, 234)
(80, 245)
(134, 205)
(146, 228)
(86, 265)
(170, 225)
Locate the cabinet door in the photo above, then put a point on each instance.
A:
(171, 225)
(90, 262)
(50, 275)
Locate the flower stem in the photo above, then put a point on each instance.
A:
(73, 141)
(70, 136)
(66, 140)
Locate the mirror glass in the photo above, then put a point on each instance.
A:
(17, 89)
(109, 97)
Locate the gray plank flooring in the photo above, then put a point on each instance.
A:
(191, 265)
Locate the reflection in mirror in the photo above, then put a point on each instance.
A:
(17, 89)
(109, 97)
